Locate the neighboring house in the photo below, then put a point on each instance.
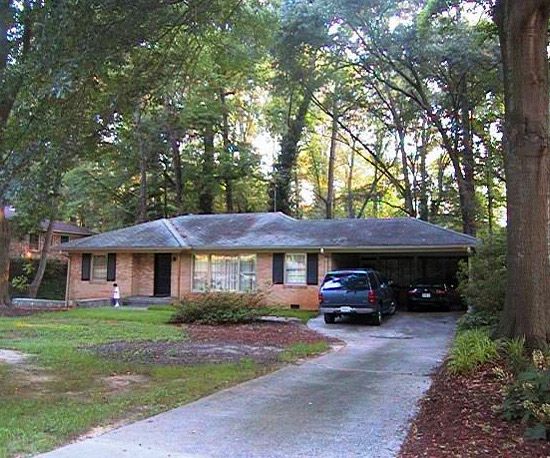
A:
(30, 245)
(272, 252)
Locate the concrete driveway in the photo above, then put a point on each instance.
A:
(356, 401)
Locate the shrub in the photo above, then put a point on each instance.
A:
(477, 320)
(528, 398)
(471, 349)
(218, 308)
(485, 288)
(515, 354)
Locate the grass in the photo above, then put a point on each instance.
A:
(303, 350)
(471, 349)
(63, 390)
(303, 315)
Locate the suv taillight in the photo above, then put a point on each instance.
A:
(321, 298)
(372, 297)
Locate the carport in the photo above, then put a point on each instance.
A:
(404, 266)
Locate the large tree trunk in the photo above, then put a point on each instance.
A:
(4, 258)
(281, 198)
(37, 280)
(206, 193)
(523, 29)
(350, 197)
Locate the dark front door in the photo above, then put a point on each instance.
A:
(163, 274)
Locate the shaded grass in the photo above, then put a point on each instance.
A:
(69, 393)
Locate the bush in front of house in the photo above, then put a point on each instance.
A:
(478, 319)
(218, 308)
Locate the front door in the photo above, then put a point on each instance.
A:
(163, 274)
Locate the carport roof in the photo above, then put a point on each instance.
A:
(273, 231)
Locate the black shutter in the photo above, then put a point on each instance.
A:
(111, 267)
(278, 268)
(86, 266)
(312, 268)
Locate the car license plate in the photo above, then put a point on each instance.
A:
(426, 295)
(346, 309)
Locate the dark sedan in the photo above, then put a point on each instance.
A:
(432, 293)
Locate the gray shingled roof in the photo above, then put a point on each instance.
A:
(274, 231)
(157, 235)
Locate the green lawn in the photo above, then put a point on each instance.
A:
(64, 390)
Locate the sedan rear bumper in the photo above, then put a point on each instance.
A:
(347, 310)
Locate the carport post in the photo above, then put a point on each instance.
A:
(469, 251)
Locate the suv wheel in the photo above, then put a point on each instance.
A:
(377, 318)
(329, 318)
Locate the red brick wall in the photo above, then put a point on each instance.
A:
(306, 296)
(135, 277)
(95, 289)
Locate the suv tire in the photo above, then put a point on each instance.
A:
(329, 318)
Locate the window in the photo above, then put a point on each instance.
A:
(65, 238)
(295, 269)
(200, 273)
(99, 267)
(34, 241)
(233, 273)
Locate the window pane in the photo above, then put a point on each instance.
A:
(200, 273)
(295, 268)
(225, 273)
(99, 267)
(34, 241)
(247, 278)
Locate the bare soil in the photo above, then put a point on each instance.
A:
(260, 342)
(460, 418)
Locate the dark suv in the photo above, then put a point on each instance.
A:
(356, 292)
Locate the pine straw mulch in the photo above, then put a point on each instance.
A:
(459, 417)
(261, 333)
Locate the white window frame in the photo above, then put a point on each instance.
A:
(209, 274)
(287, 282)
(92, 270)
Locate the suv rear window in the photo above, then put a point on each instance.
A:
(346, 280)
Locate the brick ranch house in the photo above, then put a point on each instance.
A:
(284, 257)
(30, 245)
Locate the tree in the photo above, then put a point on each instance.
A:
(523, 32)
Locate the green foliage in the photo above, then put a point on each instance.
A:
(303, 350)
(218, 308)
(53, 283)
(528, 398)
(477, 319)
(483, 285)
(515, 353)
(471, 349)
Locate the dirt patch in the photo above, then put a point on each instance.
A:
(12, 356)
(185, 353)
(459, 418)
(123, 382)
(271, 334)
(260, 342)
